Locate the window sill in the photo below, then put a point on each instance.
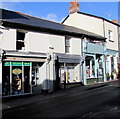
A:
(111, 40)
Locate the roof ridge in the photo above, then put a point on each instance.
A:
(36, 17)
(98, 17)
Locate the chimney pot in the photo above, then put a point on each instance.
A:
(74, 7)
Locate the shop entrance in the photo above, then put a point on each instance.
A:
(90, 66)
(16, 78)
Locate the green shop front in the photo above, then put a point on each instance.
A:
(16, 78)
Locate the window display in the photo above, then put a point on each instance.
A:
(16, 78)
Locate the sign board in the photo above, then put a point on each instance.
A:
(17, 63)
(16, 71)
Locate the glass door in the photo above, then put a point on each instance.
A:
(27, 79)
(16, 80)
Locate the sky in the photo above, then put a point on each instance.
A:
(57, 11)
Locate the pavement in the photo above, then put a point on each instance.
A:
(17, 101)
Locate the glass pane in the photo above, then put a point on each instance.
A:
(27, 79)
(67, 49)
(16, 80)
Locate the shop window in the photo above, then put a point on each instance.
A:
(112, 64)
(16, 80)
(67, 44)
(20, 43)
(90, 66)
(110, 35)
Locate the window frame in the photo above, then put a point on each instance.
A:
(67, 44)
(20, 41)
(110, 36)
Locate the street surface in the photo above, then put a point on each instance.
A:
(101, 102)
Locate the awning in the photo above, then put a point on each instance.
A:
(66, 58)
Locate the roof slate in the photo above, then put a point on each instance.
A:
(11, 18)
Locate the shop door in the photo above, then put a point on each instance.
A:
(16, 80)
(26, 79)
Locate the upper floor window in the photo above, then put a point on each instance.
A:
(67, 44)
(20, 43)
(110, 35)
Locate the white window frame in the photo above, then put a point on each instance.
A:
(110, 36)
(20, 40)
(67, 44)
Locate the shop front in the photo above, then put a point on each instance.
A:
(93, 63)
(111, 64)
(22, 73)
(94, 68)
(16, 79)
(67, 69)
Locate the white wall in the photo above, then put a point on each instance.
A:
(111, 45)
(75, 48)
(38, 42)
(94, 25)
(8, 39)
(85, 22)
(58, 43)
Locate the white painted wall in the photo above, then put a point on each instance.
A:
(58, 43)
(111, 45)
(75, 44)
(94, 25)
(8, 39)
(38, 42)
(85, 22)
(43, 76)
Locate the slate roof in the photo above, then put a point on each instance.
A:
(14, 19)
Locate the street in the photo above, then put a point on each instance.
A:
(78, 103)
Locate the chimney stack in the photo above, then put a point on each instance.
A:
(74, 7)
(115, 21)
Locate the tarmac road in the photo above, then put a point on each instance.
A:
(101, 102)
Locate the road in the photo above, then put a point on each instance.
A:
(91, 103)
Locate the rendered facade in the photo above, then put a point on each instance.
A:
(38, 56)
(108, 55)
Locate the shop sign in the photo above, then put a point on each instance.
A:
(17, 63)
(7, 64)
(16, 71)
(26, 63)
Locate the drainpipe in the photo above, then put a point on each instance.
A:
(2, 52)
(104, 54)
(118, 65)
(83, 69)
(0, 72)
(65, 70)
